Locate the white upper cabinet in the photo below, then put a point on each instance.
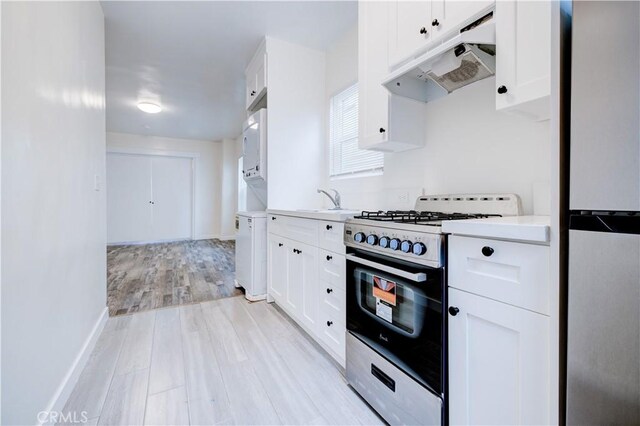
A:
(409, 29)
(373, 99)
(523, 58)
(386, 122)
(448, 15)
(416, 26)
(256, 80)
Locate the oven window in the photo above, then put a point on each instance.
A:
(407, 314)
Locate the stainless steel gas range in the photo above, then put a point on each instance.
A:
(397, 307)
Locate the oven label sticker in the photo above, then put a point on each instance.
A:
(384, 290)
(384, 310)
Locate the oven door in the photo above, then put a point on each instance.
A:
(395, 308)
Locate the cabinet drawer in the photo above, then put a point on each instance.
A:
(510, 272)
(294, 228)
(275, 224)
(333, 299)
(332, 330)
(332, 268)
(331, 236)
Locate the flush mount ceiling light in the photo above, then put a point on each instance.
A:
(149, 108)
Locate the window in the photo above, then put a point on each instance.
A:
(345, 158)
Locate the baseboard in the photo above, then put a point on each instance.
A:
(216, 237)
(70, 380)
(141, 243)
(207, 237)
(198, 237)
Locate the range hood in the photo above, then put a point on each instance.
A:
(463, 59)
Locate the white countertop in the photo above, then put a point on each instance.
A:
(320, 214)
(521, 228)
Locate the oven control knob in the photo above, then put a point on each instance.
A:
(419, 249)
(359, 237)
(384, 242)
(372, 239)
(406, 245)
(394, 244)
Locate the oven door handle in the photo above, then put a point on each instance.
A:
(419, 277)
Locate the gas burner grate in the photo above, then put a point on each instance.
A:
(418, 217)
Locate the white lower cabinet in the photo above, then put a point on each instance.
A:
(277, 272)
(306, 277)
(498, 363)
(307, 281)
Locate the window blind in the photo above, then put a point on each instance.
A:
(345, 156)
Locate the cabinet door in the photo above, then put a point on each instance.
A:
(277, 253)
(409, 29)
(308, 279)
(448, 15)
(261, 74)
(293, 293)
(251, 84)
(373, 102)
(523, 58)
(498, 363)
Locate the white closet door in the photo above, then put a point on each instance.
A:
(172, 198)
(128, 198)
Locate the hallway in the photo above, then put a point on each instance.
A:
(150, 276)
(221, 362)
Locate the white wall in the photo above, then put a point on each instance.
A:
(296, 116)
(208, 184)
(0, 214)
(229, 189)
(470, 147)
(53, 221)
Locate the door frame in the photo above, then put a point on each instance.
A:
(194, 156)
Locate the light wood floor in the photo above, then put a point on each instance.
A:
(143, 277)
(221, 362)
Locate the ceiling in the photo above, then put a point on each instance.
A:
(191, 56)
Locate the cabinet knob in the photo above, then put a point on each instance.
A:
(453, 311)
(329, 227)
(273, 218)
(382, 130)
(435, 23)
(280, 244)
(329, 258)
(329, 323)
(423, 30)
(329, 290)
(502, 90)
(487, 251)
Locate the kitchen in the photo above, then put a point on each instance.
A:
(428, 227)
(475, 152)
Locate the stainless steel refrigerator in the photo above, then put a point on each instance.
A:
(603, 329)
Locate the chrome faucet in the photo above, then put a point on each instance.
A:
(335, 199)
